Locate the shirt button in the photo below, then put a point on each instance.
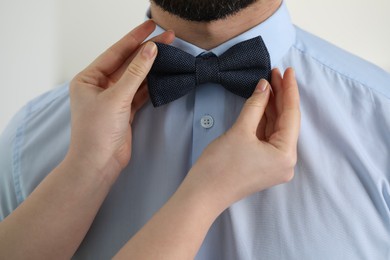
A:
(207, 121)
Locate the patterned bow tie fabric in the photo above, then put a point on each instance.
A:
(175, 73)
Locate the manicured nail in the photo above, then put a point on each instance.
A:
(262, 86)
(149, 50)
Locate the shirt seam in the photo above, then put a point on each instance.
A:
(343, 75)
(30, 108)
(36, 106)
(16, 165)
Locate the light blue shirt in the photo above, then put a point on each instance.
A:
(336, 207)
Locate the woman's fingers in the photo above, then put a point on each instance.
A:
(254, 107)
(166, 37)
(140, 98)
(136, 72)
(270, 115)
(276, 83)
(288, 119)
(117, 54)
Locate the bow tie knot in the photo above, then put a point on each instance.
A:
(175, 72)
(207, 69)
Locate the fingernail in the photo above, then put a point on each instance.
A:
(262, 86)
(149, 50)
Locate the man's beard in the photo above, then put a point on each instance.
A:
(203, 10)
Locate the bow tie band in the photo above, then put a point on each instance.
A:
(175, 73)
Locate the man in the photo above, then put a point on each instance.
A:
(337, 206)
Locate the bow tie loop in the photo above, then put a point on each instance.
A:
(207, 69)
(175, 73)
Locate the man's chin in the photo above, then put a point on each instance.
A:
(203, 10)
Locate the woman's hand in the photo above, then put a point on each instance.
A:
(258, 152)
(105, 97)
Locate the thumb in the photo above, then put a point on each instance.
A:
(137, 71)
(254, 107)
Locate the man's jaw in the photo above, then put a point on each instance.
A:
(208, 35)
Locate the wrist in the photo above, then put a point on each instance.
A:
(104, 170)
(201, 192)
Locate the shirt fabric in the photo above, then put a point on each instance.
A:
(336, 207)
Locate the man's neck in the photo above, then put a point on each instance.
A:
(209, 35)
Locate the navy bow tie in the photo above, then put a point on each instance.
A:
(175, 72)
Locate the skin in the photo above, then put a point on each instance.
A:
(53, 220)
(208, 35)
(204, 10)
(252, 156)
(261, 146)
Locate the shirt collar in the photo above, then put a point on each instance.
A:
(277, 31)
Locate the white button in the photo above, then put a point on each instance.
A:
(207, 121)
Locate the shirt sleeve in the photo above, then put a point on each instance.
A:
(9, 139)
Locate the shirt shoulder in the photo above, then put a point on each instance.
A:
(29, 125)
(39, 103)
(344, 97)
(343, 63)
(8, 148)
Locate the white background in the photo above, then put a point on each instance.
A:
(45, 42)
